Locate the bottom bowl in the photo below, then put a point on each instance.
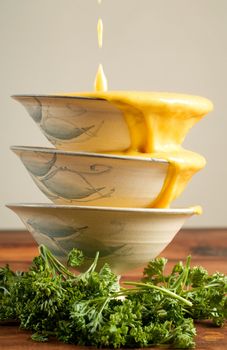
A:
(126, 238)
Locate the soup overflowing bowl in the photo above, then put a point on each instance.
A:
(126, 238)
(115, 121)
(94, 179)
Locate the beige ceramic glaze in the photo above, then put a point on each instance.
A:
(115, 121)
(78, 123)
(125, 238)
(128, 123)
(94, 179)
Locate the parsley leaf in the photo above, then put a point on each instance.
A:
(92, 308)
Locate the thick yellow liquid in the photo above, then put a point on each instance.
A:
(158, 124)
(100, 83)
(100, 32)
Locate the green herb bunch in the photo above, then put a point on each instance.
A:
(93, 309)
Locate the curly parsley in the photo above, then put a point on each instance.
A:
(93, 309)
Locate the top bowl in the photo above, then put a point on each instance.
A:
(78, 123)
(115, 121)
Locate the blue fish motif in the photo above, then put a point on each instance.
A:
(72, 185)
(38, 164)
(53, 229)
(35, 110)
(64, 130)
(89, 246)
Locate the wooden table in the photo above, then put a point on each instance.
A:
(207, 247)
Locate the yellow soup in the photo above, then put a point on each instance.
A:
(157, 124)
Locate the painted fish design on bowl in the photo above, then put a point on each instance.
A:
(126, 238)
(81, 178)
(78, 123)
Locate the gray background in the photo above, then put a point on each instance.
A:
(178, 46)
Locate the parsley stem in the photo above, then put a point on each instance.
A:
(93, 265)
(51, 261)
(164, 290)
(5, 290)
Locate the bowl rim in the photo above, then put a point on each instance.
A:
(171, 98)
(168, 211)
(21, 96)
(87, 154)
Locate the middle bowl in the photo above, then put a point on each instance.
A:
(94, 179)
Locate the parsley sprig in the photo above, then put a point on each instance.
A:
(93, 309)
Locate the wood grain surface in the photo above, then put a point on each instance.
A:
(207, 247)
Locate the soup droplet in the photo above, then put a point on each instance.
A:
(100, 80)
(100, 32)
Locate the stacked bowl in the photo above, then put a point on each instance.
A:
(102, 195)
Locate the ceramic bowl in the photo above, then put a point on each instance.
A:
(78, 123)
(125, 238)
(94, 179)
(117, 121)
